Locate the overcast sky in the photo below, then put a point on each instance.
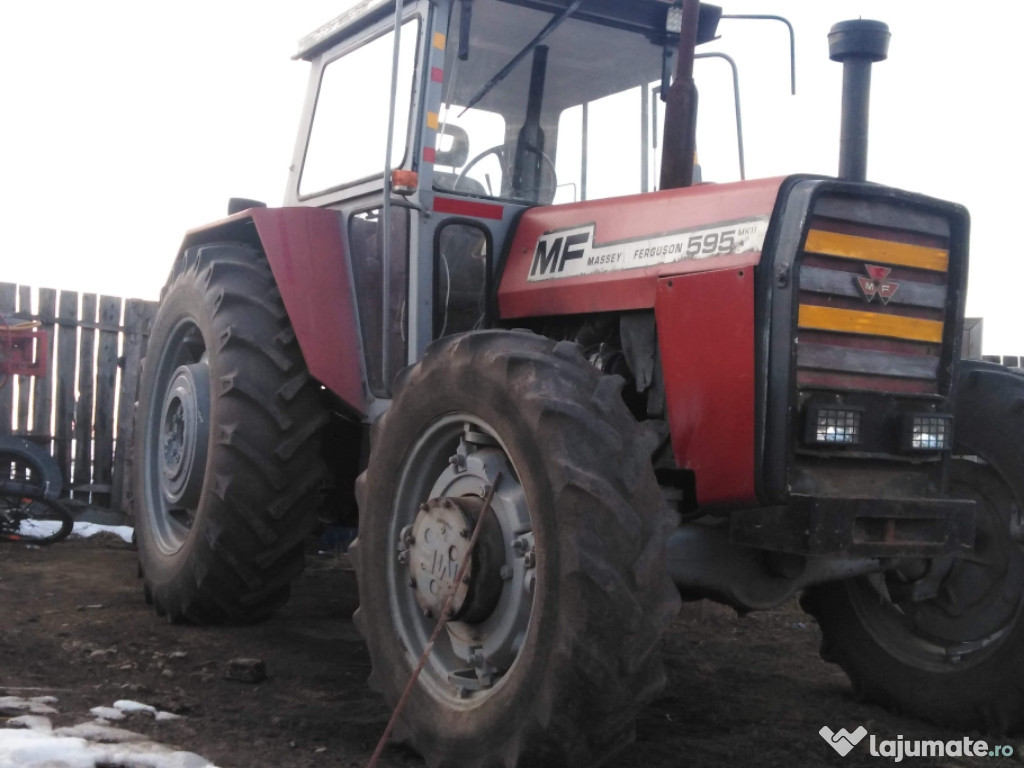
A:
(126, 123)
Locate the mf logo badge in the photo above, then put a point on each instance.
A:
(842, 741)
(575, 251)
(877, 284)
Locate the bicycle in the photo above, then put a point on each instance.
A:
(30, 480)
(30, 484)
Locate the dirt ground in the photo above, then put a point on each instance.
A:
(742, 691)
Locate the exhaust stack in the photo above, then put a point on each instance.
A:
(857, 44)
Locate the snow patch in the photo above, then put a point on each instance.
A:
(107, 713)
(128, 706)
(30, 741)
(37, 705)
(86, 530)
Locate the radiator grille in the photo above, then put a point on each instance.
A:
(873, 285)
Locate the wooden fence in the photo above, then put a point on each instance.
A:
(82, 409)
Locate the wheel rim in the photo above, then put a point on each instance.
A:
(978, 599)
(442, 483)
(177, 437)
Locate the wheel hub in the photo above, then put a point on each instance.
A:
(437, 543)
(184, 435)
(452, 466)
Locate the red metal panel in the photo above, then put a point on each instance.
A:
(306, 253)
(305, 250)
(461, 207)
(621, 220)
(706, 336)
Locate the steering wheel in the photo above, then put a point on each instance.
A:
(545, 193)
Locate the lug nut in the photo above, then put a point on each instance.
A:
(530, 559)
(505, 572)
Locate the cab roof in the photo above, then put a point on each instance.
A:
(646, 15)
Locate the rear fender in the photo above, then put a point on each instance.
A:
(306, 251)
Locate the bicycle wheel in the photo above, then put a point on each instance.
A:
(33, 520)
(29, 465)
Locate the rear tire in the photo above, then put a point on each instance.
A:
(567, 638)
(226, 458)
(956, 659)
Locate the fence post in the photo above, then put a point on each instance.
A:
(83, 408)
(8, 296)
(67, 319)
(106, 387)
(138, 315)
(42, 387)
(24, 382)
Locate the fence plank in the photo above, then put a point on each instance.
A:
(67, 315)
(24, 382)
(138, 315)
(42, 387)
(106, 386)
(8, 296)
(83, 408)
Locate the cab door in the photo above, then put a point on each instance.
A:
(361, 123)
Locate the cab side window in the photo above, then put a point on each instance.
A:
(348, 138)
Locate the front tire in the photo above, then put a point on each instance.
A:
(226, 459)
(956, 658)
(557, 642)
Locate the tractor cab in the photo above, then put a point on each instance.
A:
(492, 107)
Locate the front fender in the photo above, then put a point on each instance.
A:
(306, 251)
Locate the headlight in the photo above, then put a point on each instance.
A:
(834, 425)
(927, 432)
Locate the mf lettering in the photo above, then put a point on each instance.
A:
(553, 253)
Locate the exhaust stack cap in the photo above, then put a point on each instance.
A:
(859, 38)
(858, 44)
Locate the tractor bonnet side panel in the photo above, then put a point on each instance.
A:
(689, 254)
(706, 339)
(607, 255)
(307, 256)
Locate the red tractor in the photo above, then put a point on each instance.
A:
(736, 391)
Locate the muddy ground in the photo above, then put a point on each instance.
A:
(742, 691)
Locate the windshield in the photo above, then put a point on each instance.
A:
(575, 118)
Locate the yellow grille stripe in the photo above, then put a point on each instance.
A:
(439, 40)
(870, 323)
(877, 251)
(432, 122)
